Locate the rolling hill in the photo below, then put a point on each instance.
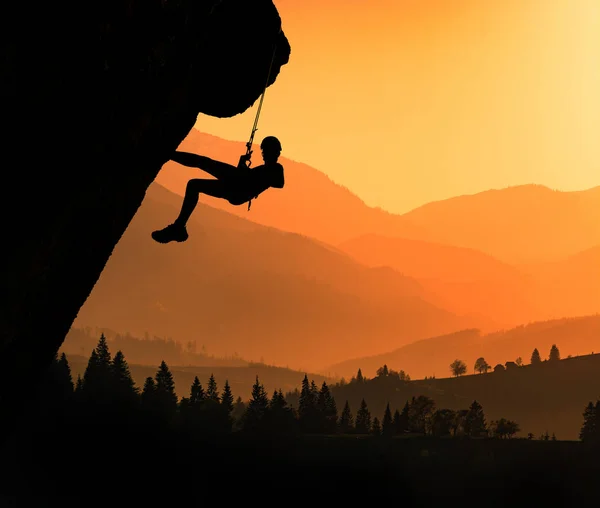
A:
(237, 286)
(432, 356)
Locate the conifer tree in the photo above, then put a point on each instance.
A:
(404, 423)
(376, 429)
(387, 426)
(346, 423)
(363, 419)
(535, 357)
(359, 377)
(307, 407)
(257, 407)
(227, 398)
(197, 394)
(327, 409)
(166, 398)
(212, 394)
(125, 393)
(554, 354)
(590, 427)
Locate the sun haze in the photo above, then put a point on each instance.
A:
(410, 101)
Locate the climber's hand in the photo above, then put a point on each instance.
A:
(244, 159)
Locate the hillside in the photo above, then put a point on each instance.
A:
(464, 280)
(515, 225)
(239, 287)
(432, 356)
(548, 397)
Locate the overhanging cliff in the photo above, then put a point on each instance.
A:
(96, 96)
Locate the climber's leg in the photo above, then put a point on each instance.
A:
(213, 167)
(177, 231)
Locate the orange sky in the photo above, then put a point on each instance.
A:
(409, 101)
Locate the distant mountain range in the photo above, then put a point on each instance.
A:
(502, 257)
(239, 287)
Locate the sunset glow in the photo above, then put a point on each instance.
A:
(406, 102)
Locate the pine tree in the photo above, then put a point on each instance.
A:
(387, 427)
(359, 377)
(327, 409)
(346, 423)
(307, 407)
(166, 397)
(590, 426)
(535, 357)
(212, 394)
(227, 398)
(554, 354)
(474, 425)
(363, 419)
(257, 407)
(376, 429)
(125, 392)
(196, 392)
(404, 423)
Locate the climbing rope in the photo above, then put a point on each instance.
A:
(262, 97)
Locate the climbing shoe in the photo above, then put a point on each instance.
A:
(172, 233)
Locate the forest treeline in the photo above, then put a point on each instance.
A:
(106, 392)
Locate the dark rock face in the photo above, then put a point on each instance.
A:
(95, 97)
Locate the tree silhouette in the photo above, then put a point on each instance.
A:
(504, 428)
(383, 371)
(227, 398)
(346, 423)
(402, 423)
(376, 428)
(308, 415)
(458, 368)
(363, 419)
(197, 395)
(125, 393)
(475, 425)
(212, 394)
(590, 429)
(554, 354)
(359, 377)
(257, 408)
(481, 365)
(519, 361)
(421, 409)
(165, 396)
(536, 359)
(327, 409)
(387, 426)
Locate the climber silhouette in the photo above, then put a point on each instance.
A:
(238, 185)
